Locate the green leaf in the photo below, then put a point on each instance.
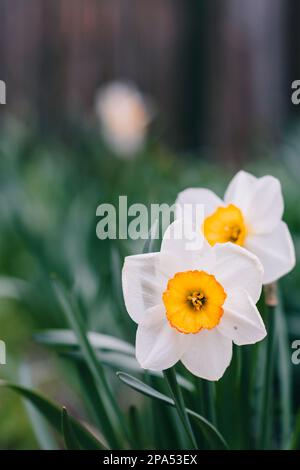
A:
(66, 339)
(110, 351)
(114, 425)
(71, 442)
(177, 395)
(284, 375)
(52, 413)
(136, 426)
(39, 424)
(211, 433)
(295, 441)
(90, 394)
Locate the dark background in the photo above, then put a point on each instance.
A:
(220, 71)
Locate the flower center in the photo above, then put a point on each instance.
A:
(193, 301)
(197, 300)
(226, 224)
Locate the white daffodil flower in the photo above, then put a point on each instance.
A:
(124, 115)
(190, 305)
(249, 216)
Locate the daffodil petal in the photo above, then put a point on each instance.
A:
(260, 200)
(275, 251)
(240, 190)
(195, 196)
(141, 286)
(236, 267)
(266, 205)
(241, 320)
(153, 316)
(158, 345)
(208, 354)
(189, 247)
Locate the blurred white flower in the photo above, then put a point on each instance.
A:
(249, 216)
(190, 305)
(124, 116)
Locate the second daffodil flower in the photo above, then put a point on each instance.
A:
(191, 304)
(250, 216)
(124, 114)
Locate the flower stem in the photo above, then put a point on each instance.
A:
(177, 396)
(271, 301)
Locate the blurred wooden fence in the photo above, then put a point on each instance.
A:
(217, 70)
(55, 53)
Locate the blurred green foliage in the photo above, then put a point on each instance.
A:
(49, 191)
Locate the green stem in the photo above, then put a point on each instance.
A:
(267, 400)
(177, 396)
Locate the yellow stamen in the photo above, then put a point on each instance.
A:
(197, 299)
(194, 300)
(226, 224)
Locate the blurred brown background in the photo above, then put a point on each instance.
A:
(220, 72)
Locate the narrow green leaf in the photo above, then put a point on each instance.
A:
(110, 351)
(52, 413)
(71, 442)
(284, 376)
(295, 441)
(118, 360)
(209, 399)
(114, 425)
(214, 437)
(90, 394)
(136, 426)
(66, 339)
(176, 392)
(39, 424)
